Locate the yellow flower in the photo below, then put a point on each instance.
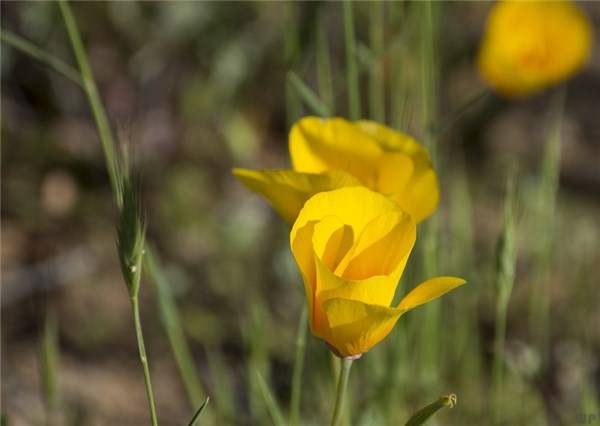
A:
(351, 246)
(528, 46)
(334, 153)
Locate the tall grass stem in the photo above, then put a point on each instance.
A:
(506, 260)
(135, 308)
(545, 222)
(324, 79)
(352, 82)
(429, 343)
(376, 77)
(271, 403)
(291, 54)
(95, 102)
(50, 357)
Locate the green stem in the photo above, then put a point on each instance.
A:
(506, 258)
(324, 65)
(376, 82)
(351, 66)
(293, 106)
(41, 55)
(298, 366)
(135, 307)
(91, 91)
(341, 391)
(309, 97)
(545, 214)
(398, 75)
(430, 341)
(50, 354)
(498, 365)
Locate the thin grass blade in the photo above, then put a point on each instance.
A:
(270, 402)
(199, 412)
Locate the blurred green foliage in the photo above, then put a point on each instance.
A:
(200, 87)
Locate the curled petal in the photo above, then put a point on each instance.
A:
(429, 290)
(383, 245)
(353, 206)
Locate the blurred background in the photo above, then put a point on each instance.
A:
(197, 88)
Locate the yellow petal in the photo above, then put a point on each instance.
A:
(355, 327)
(429, 290)
(382, 248)
(287, 190)
(414, 187)
(420, 196)
(393, 140)
(394, 171)
(317, 145)
(353, 206)
(377, 288)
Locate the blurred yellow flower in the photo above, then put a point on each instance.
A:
(528, 46)
(334, 153)
(351, 246)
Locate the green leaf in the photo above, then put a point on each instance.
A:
(308, 96)
(421, 416)
(199, 412)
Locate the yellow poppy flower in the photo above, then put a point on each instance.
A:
(334, 153)
(528, 46)
(351, 246)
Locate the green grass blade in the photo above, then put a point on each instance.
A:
(291, 54)
(270, 402)
(170, 319)
(309, 97)
(351, 62)
(27, 47)
(199, 412)
(545, 223)
(506, 260)
(376, 77)
(429, 338)
(222, 384)
(50, 357)
(91, 90)
(324, 78)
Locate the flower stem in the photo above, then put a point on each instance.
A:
(341, 391)
(135, 308)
